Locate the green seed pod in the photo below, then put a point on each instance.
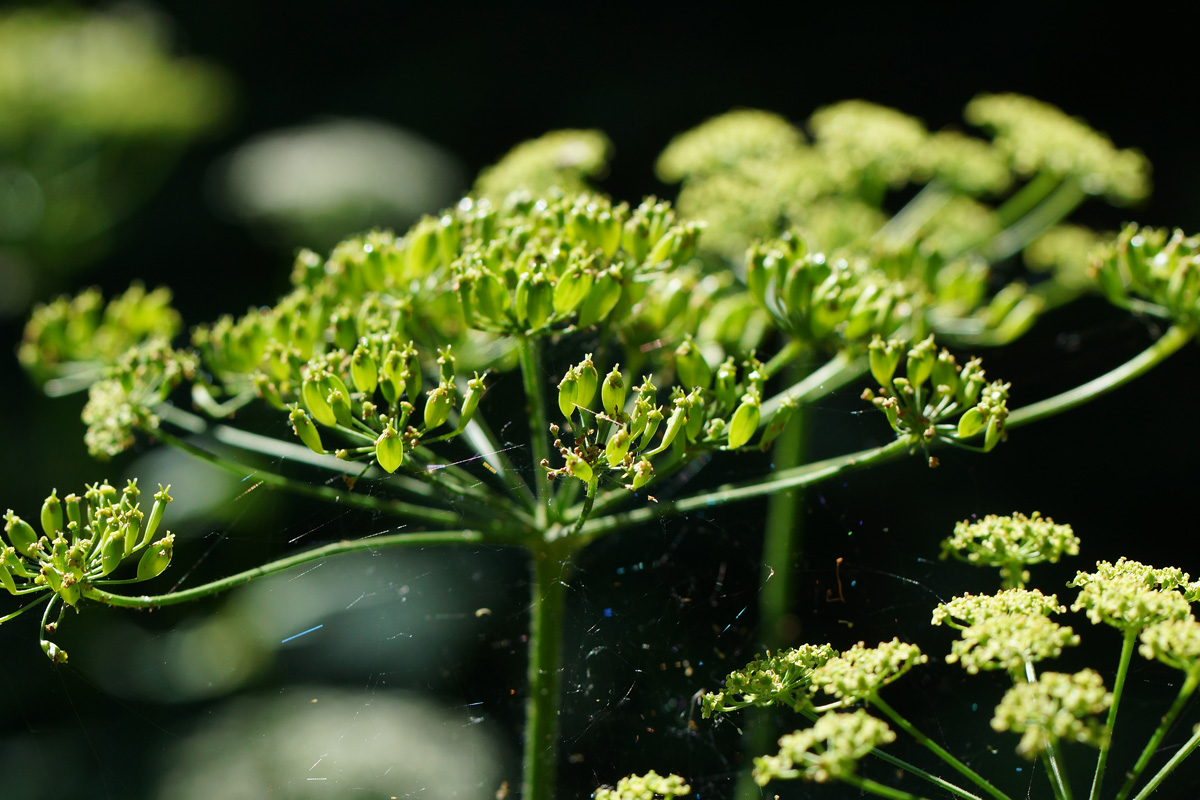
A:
(437, 406)
(674, 425)
(652, 419)
(316, 403)
(21, 534)
(422, 246)
(490, 297)
(635, 238)
(393, 374)
(449, 234)
(643, 471)
(112, 552)
(341, 409)
(572, 287)
(6, 580)
(589, 380)
(14, 563)
(161, 498)
(52, 515)
(921, 359)
(744, 423)
(779, 421)
(945, 372)
(345, 330)
(446, 365)
(612, 392)
(416, 376)
(156, 558)
(578, 468)
(694, 425)
(568, 391)
(994, 433)
(74, 512)
(970, 423)
(601, 300)
(884, 358)
(268, 391)
(304, 428)
(363, 370)
(130, 530)
(664, 248)
(609, 229)
(389, 449)
(618, 447)
(726, 386)
(690, 364)
(475, 389)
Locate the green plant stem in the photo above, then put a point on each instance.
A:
(1065, 198)
(588, 500)
(1170, 766)
(785, 356)
(316, 554)
(1127, 644)
(937, 749)
(1164, 725)
(550, 570)
(730, 493)
(1175, 338)
(1026, 198)
(1052, 756)
(868, 785)
(530, 357)
(908, 221)
(397, 508)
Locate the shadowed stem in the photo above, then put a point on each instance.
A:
(551, 568)
(1065, 198)
(534, 380)
(1127, 644)
(1170, 766)
(1168, 719)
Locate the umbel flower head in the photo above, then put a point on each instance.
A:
(1174, 642)
(829, 750)
(1011, 543)
(1129, 595)
(562, 160)
(1056, 707)
(83, 540)
(861, 671)
(1004, 631)
(1151, 271)
(650, 786)
(782, 678)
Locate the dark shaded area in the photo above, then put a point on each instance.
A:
(478, 80)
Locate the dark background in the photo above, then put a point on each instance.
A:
(477, 80)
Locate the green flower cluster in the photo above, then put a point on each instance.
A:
(83, 541)
(562, 160)
(1149, 270)
(644, 787)
(829, 750)
(781, 678)
(860, 672)
(1008, 630)
(1011, 543)
(1129, 595)
(1057, 706)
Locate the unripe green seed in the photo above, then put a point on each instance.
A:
(6, 580)
(74, 512)
(650, 424)
(568, 391)
(393, 374)
(726, 387)
(674, 425)
(490, 297)
(884, 358)
(643, 471)
(305, 429)
(970, 423)
(612, 392)
(618, 447)
(945, 372)
(316, 403)
(589, 380)
(341, 409)
(920, 362)
(779, 421)
(389, 449)
(437, 406)
(578, 468)
(994, 432)
(52, 515)
(744, 422)
(112, 552)
(364, 371)
(156, 558)
(601, 300)
(161, 498)
(572, 288)
(20, 533)
(692, 368)
(475, 389)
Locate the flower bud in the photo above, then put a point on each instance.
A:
(112, 552)
(690, 364)
(600, 301)
(475, 389)
(316, 403)
(884, 357)
(618, 447)
(363, 370)
(612, 392)
(389, 449)
(970, 423)
(921, 359)
(588, 380)
(568, 391)
(52, 515)
(156, 558)
(20, 533)
(304, 428)
(437, 406)
(744, 423)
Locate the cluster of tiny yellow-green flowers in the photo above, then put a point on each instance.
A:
(1174, 642)
(1152, 271)
(1037, 137)
(1069, 252)
(709, 409)
(829, 750)
(562, 159)
(1056, 707)
(1129, 595)
(860, 672)
(781, 678)
(650, 786)
(81, 335)
(122, 402)
(1004, 631)
(1011, 543)
(936, 398)
(83, 540)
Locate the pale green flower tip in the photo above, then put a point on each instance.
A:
(969, 608)
(861, 671)
(644, 787)
(785, 677)
(729, 142)
(1011, 542)
(1040, 137)
(1174, 642)
(1058, 706)
(1009, 642)
(563, 159)
(829, 750)
(875, 142)
(1131, 595)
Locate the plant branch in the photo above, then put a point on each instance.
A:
(1164, 725)
(530, 357)
(1170, 766)
(1127, 644)
(551, 568)
(485, 443)
(1065, 198)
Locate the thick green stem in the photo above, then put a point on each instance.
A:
(731, 493)
(1026, 198)
(1170, 766)
(937, 749)
(1127, 644)
(1164, 725)
(551, 568)
(316, 554)
(1168, 343)
(530, 356)
(1065, 198)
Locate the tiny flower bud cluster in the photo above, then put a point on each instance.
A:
(1131, 595)
(1056, 707)
(1011, 543)
(829, 750)
(1150, 271)
(82, 541)
(1174, 642)
(650, 786)
(782, 678)
(861, 671)
(558, 160)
